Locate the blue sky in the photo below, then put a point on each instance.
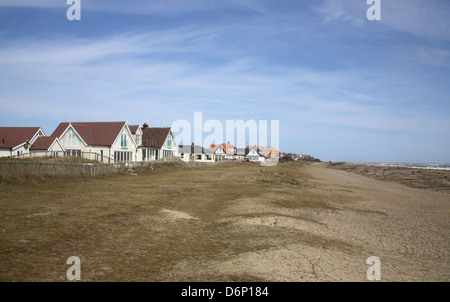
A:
(342, 87)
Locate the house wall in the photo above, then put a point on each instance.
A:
(20, 150)
(95, 153)
(185, 157)
(198, 157)
(124, 148)
(54, 148)
(5, 152)
(219, 154)
(151, 154)
(170, 147)
(254, 156)
(71, 141)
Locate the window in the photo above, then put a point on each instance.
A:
(169, 141)
(123, 141)
(199, 156)
(138, 139)
(122, 156)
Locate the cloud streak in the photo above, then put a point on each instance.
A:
(312, 69)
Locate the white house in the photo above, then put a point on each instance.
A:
(15, 141)
(254, 155)
(137, 133)
(218, 151)
(104, 141)
(158, 143)
(47, 146)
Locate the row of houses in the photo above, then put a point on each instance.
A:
(112, 142)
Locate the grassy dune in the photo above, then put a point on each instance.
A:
(229, 222)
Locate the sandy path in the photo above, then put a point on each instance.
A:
(407, 228)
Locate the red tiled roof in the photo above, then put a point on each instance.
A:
(213, 148)
(226, 146)
(43, 143)
(154, 136)
(11, 137)
(93, 133)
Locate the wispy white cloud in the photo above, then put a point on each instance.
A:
(103, 74)
(282, 63)
(429, 19)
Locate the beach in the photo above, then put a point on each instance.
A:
(292, 222)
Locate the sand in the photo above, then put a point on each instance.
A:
(238, 222)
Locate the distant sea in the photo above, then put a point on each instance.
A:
(412, 165)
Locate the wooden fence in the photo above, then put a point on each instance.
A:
(25, 169)
(41, 169)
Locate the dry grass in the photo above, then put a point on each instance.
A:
(121, 228)
(168, 222)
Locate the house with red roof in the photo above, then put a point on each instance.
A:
(47, 146)
(158, 143)
(218, 151)
(105, 141)
(230, 150)
(15, 141)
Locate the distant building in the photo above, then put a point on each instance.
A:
(253, 155)
(218, 151)
(15, 141)
(195, 153)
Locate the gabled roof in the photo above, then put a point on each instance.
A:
(214, 148)
(43, 143)
(133, 128)
(154, 136)
(93, 133)
(227, 146)
(11, 137)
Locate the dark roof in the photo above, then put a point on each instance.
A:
(43, 143)
(11, 137)
(196, 149)
(93, 133)
(154, 136)
(133, 128)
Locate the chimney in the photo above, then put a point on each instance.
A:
(145, 126)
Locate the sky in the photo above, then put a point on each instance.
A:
(341, 86)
